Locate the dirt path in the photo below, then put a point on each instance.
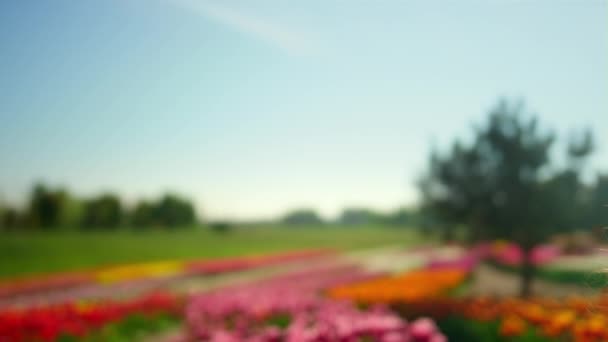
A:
(491, 281)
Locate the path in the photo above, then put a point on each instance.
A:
(490, 281)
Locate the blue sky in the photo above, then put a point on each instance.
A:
(254, 107)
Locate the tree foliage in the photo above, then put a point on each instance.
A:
(504, 185)
(104, 211)
(169, 211)
(46, 206)
(302, 217)
(52, 209)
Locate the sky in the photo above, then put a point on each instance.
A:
(252, 108)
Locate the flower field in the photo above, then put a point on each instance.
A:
(290, 308)
(80, 319)
(419, 295)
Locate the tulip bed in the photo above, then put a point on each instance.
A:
(292, 308)
(511, 319)
(54, 308)
(428, 292)
(409, 286)
(334, 303)
(80, 320)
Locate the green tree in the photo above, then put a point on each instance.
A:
(358, 216)
(143, 214)
(302, 217)
(501, 185)
(598, 215)
(104, 211)
(9, 218)
(169, 211)
(173, 211)
(45, 207)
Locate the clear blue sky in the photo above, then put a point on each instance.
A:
(254, 107)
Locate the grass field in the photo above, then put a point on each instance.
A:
(41, 252)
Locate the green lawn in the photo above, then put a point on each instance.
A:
(42, 252)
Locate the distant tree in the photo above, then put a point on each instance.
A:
(143, 215)
(358, 216)
(598, 215)
(104, 211)
(500, 186)
(302, 217)
(173, 211)
(403, 217)
(9, 218)
(221, 226)
(45, 207)
(169, 211)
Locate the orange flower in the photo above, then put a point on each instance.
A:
(406, 287)
(512, 326)
(559, 322)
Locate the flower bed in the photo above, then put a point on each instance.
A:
(573, 319)
(290, 308)
(78, 320)
(406, 287)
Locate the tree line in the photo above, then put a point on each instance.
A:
(55, 208)
(354, 216)
(506, 183)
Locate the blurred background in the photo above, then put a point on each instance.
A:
(135, 132)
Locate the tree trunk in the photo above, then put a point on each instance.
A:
(527, 274)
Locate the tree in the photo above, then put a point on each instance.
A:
(169, 211)
(358, 216)
(598, 215)
(9, 218)
(173, 211)
(302, 217)
(104, 211)
(45, 208)
(500, 185)
(143, 214)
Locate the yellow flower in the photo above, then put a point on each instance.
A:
(137, 271)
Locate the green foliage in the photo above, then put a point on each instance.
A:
(9, 219)
(133, 328)
(598, 216)
(46, 206)
(364, 216)
(143, 214)
(50, 209)
(170, 211)
(104, 211)
(302, 217)
(221, 226)
(280, 321)
(358, 216)
(457, 328)
(503, 185)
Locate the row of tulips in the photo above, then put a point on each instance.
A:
(291, 308)
(574, 319)
(409, 286)
(80, 319)
(154, 270)
(423, 292)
